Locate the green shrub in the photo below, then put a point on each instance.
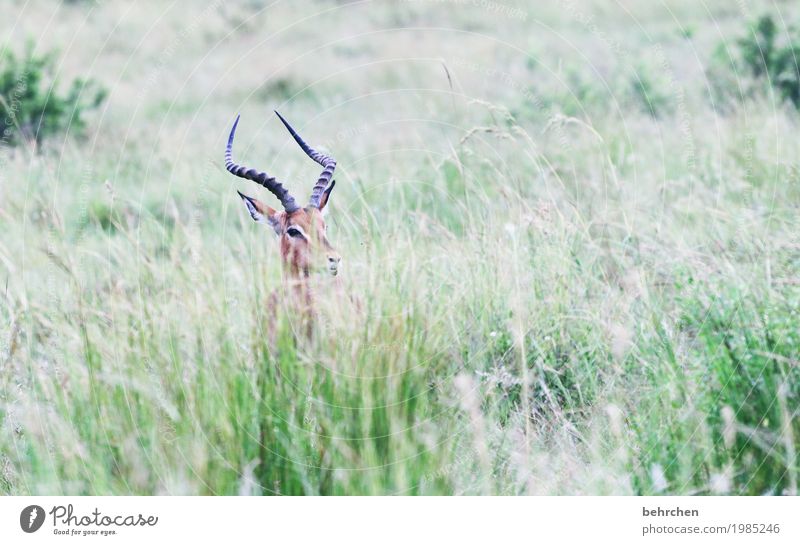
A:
(31, 107)
(650, 91)
(730, 406)
(765, 52)
(769, 55)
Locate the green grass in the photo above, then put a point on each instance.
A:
(581, 295)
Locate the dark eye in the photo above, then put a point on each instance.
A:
(292, 232)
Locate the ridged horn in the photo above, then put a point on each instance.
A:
(261, 178)
(328, 164)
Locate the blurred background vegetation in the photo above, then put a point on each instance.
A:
(572, 228)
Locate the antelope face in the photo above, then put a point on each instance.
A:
(302, 230)
(304, 242)
(303, 235)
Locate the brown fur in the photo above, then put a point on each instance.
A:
(301, 255)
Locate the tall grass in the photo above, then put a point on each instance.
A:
(534, 301)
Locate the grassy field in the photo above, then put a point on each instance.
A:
(572, 237)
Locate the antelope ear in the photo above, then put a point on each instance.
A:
(262, 213)
(323, 201)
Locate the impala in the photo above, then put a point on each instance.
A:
(304, 244)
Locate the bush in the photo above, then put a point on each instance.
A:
(768, 54)
(31, 107)
(650, 91)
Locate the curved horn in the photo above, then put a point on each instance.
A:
(261, 178)
(328, 165)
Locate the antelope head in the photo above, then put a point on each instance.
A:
(302, 231)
